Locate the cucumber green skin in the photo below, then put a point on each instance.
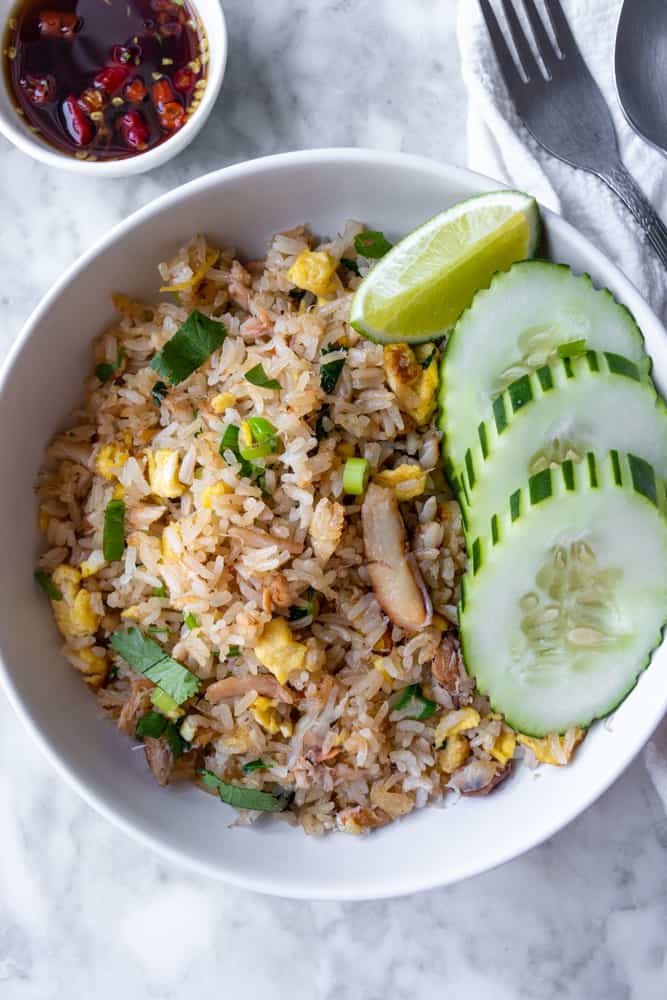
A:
(524, 397)
(446, 363)
(624, 472)
(377, 336)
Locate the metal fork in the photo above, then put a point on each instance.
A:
(562, 106)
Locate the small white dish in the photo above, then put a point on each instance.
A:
(16, 130)
(42, 381)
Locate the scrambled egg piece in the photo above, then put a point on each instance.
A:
(163, 466)
(110, 459)
(264, 710)
(314, 271)
(542, 748)
(132, 613)
(222, 401)
(96, 667)
(74, 614)
(415, 387)
(218, 489)
(278, 651)
(407, 481)
(504, 747)
(379, 664)
(454, 754)
(456, 722)
(171, 542)
(198, 275)
(93, 564)
(239, 742)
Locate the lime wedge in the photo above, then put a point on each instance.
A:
(418, 290)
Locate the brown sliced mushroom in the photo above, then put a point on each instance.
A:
(393, 571)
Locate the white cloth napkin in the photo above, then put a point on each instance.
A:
(499, 145)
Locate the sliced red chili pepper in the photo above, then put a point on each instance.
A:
(78, 126)
(172, 116)
(39, 89)
(135, 91)
(161, 93)
(111, 78)
(135, 130)
(183, 80)
(58, 23)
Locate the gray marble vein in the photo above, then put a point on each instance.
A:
(85, 912)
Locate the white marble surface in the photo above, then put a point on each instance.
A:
(84, 912)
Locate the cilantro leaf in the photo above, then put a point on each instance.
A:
(330, 372)
(113, 538)
(257, 376)
(153, 662)
(47, 584)
(247, 798)
(372, 244)
(192, 344)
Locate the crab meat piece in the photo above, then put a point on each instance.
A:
(235, 687)
(394, 575)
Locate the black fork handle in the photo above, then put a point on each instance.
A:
(624, 185)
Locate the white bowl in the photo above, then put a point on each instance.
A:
(15, 128)
(42, 380)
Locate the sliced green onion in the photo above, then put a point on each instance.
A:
(113, 673)
(230, 439)
(355, 476)
(320, 431)
(153, 662)
(425, 707)
(426, 363)
(247, 798)
(177, 744)
(257, 376)
(234, 651)
(166, 704)
(158, 392)
(150, 724)
(160, 591)
(330, 373)
(307, 610)
(255, 765)
(159, 629)
(190, 621)
(573, 347)
(350, 264)
(113, 538)
(47, 585)
(192, 345)
(257, 439)
(105, 370)
(372, 244)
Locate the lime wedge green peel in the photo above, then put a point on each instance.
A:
(418, 290)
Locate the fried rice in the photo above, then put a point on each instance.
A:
(376, 719)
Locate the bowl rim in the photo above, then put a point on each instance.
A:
(43, 152)
(398, 885)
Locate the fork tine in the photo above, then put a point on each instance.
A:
(566, 40)
(524, 51)
(507, 65)
(544, 44)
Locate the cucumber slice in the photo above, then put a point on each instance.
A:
(567, 595)
(516, 326)
(593, 402)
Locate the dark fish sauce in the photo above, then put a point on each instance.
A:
(105, 79)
